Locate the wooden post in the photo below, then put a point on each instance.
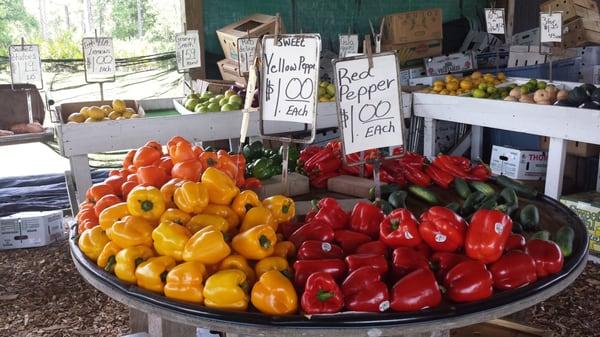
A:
(510, 20)
(192, 14)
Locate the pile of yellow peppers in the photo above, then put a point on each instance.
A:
(200, 242)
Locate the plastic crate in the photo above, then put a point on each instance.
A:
(563, 70)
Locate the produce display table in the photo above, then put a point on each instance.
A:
(161, 316)
(559, 123)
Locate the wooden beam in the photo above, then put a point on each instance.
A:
(192, 18)
(510, 20)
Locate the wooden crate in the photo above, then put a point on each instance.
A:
(575, 148)
(572, 9)
(65, 109)
(407, 27)
(414, 50)
(581, 32)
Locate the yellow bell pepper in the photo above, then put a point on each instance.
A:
(197, 222)
(175, 215)
(225, 212)
(221, 188)
(191, 197)
(258, 216)
(244, 201)
(112, 214)
(256, 243)
(170, 238)
(107, 257)
(240, 263)
(146, 202)
(152, 274)
(184, 282)
(131, 231)
(128, 259)
(274, 294)
(92, 241)
(273, 263)
(168, 190)
(282, 207)
(285, 249)
(226, 289)
(207, 246)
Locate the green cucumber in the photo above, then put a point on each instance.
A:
(482, 187)
(472, 201)
(564, 239)
(520, 188)
(462, 188)
(386, 190)
(454, 206)
(529, 217)
(398, 199)
(386, 207)
(424, 194)
(509, 195)
(542, 235)
(488, 203)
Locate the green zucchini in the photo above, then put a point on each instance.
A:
(542, 235)
(472, 201)
(386, 207)
(398, 199)
(454, 206)
(564, 239)
(529, 217)
(386, 190)
(462, 188)
(424, 194)
(520, 188)
(488, 203)
(509, 195)
(482, 187)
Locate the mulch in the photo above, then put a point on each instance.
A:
(42, 295)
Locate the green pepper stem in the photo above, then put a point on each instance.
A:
(285, 208)
(248, 206)
(163, 276)
(138, 261)
(110, 264)
(146, 205)
(264, 242)
(394, 223)
(323, 295)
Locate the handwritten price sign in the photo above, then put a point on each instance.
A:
(25, 64)
(348, 45)
(290, 70)
(98, 54)
(551, 27)
(246, 52)
(494, 19)
(369, 102)
(187, 50)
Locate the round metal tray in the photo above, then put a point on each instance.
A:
(446, 316)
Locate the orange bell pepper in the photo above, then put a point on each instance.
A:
(209, 159)
(168, 190)
(105, 202)
(128, 161)
(285, 249)
(146, 156)
(97, 191)
(166, 163)
(181, 151)
(226, 165)
(173, 141)
(240, 162)
(152, 176)
(127, 187)
(189, 170)
(116, 181)
(197, 151)
(133, 178)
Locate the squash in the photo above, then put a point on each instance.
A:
(511, 99)
(526, 99)
(515, 92)
(578, 96)
(541, 95)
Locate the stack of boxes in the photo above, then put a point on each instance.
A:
(581, 21)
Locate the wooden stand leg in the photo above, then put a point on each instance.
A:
(476, 141)
(138, 321)
(556, 165)
(80, 169)
(429, 130)
(158, 327)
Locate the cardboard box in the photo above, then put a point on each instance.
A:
(414, 50)
(527, 37)
(65, 109)
(453, 63)
(407, 74)
(480, 41)
(521, 56)
(407, 27)
(427, 80)
(572, 9)
(31, 229)
(518, 164)
(581, 32)
(575, 148)
(230, 71)
(587, 206)
(255, 25)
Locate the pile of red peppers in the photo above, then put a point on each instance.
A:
(322, 163)
(366, 261)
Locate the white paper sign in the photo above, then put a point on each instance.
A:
(246, 52)
(290, 76)
(369, 102)
(348, 45)
(187, 50)
(494, 19)
(200, 86)
(550, 27)
(25, 64)
(99, 57)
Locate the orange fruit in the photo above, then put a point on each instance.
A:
(466, 84)
(452, 85)
(450, 78)
(476, 75)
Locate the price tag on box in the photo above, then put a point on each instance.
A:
(550, 27)
(187, 50)
(348, 45)
(99, 59)
(25, 65)
(494, 19)
(369, 102)
(246, 53)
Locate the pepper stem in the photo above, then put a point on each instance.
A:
(138, 261)
(323, 295)
(110, 265)
(146, 205)
(287, 273)
(163, 276)
(285, 208)
(245, 286)
(211, 162)
(248, 206)
(394, 224)
(264, 242)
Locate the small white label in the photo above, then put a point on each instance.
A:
(25, 64)
(439, 237)
(494, 19)
(187, 50)
(550, 27)
(200, 86)
(408, 236)
(326, 246)
(246, 53)
(348, 44)
(498, 227)
(383, 306)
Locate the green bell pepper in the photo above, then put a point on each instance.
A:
(252, 151)
(263, 168)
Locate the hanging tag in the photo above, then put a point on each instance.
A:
(494, 19)
(25, 64)
(200, 86)
(187, 50)
(551, 27)
(99, 59)
(246, 53)
(348, 44)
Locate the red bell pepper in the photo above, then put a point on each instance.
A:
(442, 262)
(364, 290)
(468, 281)
(374, 247)
(386, 177)
(416, 291)
(355, 170)
(319, 180)
(515, 242)
(318, 250)
(423, 249)
(365, 218)
(325, 166)
(481, 172)
(349, 240)
(322, 295)
(547, 256)
(487, 235)
(442, 229)
(415, 175)
(304, 268)
(439, 177)
(314, 230)
(332, 213)
(308, 152)
(335, 146)
(460, 161)
(513, 270)
(321, 156)
(400, 229)
(289, 227)
(461, 167)
(405, 260)
(356, 261)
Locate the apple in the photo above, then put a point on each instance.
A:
(214, 107)
(229, 93)
(235, 99)
(227, 107)
(331, 90)
(223, 101)
(190, 104)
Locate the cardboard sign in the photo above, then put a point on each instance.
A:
(368, 102)
(494, 19)
(98, 54)
(453, 63)
(550, 27)
(187, 50)
(246, 53)
(25, 64)
(348, 45)
(289, 77)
